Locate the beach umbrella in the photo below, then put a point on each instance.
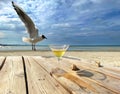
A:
(30, 27)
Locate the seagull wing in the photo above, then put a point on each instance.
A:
(30, 26)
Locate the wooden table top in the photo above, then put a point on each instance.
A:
(44, 75)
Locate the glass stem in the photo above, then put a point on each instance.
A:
(59, 61)
(59, 58)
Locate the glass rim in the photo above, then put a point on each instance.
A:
(59, 44)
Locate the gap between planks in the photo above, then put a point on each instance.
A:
(25, 75)
(2, 62)
(38, 74)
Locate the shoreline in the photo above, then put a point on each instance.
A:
(82, 48)
(67, 50)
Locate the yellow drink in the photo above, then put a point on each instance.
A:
(59, 50)
(59, 53)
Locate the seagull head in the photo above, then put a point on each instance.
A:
(44, 37)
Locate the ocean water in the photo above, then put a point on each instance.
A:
(71, 48)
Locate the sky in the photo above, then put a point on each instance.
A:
(74, 22)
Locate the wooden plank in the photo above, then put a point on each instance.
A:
(12, 76)
(39, 81)
(73, 76)
(113, 69)
(60, 76)
(104, 78)
(69, 85)
(104, 70)
(72, 87)
(83, 63)
(50, 63)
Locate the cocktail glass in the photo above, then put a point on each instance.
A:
(59, 50)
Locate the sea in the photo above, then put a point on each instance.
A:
(71, 47)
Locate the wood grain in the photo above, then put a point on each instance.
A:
(39, 81)
(90, 79)
(44, 75)
(12, 77)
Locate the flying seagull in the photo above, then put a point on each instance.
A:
(30, 27)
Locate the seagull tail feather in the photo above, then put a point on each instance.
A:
(27, 40)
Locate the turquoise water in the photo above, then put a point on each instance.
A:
(71, 48)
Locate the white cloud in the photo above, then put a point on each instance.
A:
(78, 16)
(50, 33)
(88, 33)
(61, 25)
(2, 35)
(6, 10)
(97, 1)
(79, 3)
(6, 19)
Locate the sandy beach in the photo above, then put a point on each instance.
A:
(106, 58)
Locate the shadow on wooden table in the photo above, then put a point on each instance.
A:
(84, 73)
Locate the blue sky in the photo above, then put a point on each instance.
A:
(81, 22)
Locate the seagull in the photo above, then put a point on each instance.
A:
(30, 27)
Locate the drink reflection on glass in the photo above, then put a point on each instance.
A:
(59, 50)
